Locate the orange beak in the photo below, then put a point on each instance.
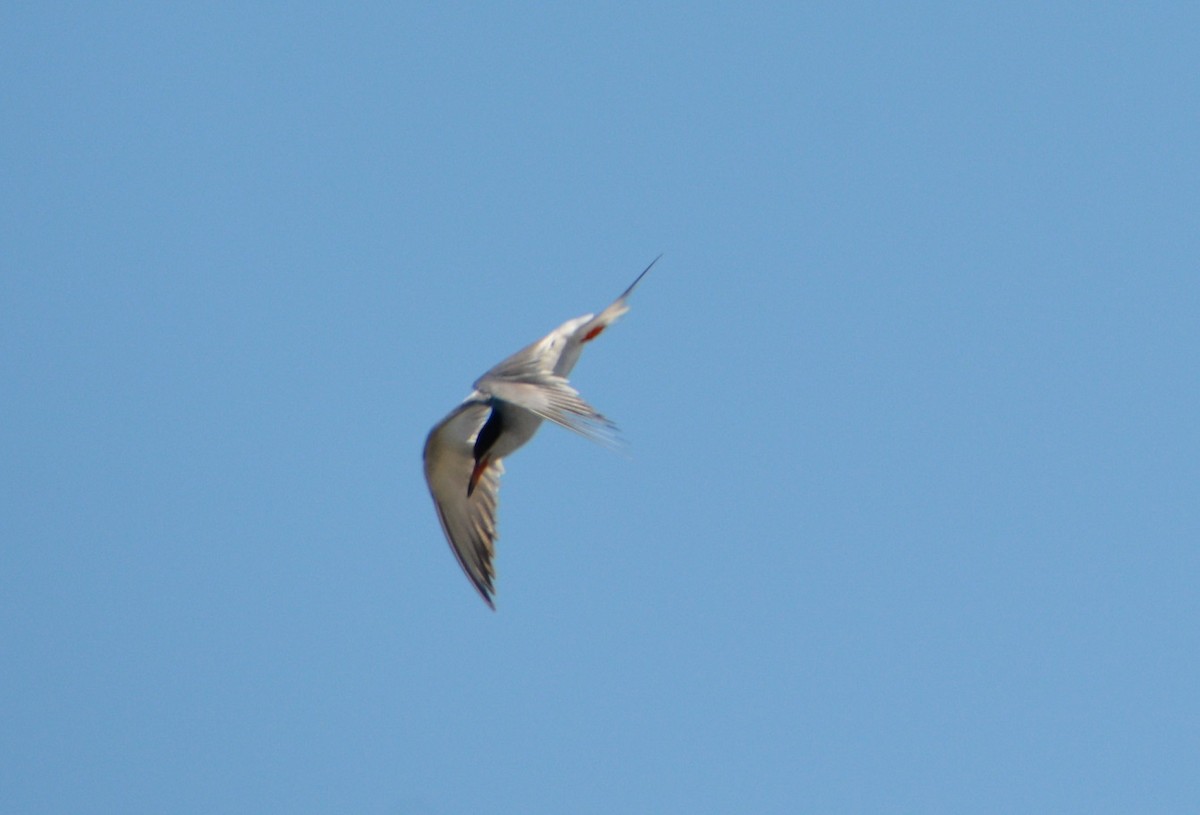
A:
(480, 466)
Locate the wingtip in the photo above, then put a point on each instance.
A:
(633, 285)
(486, 593)
(484, 586)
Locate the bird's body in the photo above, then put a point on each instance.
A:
(464, 453)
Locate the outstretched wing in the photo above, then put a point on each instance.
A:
(468, 521)
(558, 351)
(582, 330)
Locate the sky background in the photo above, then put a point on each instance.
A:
(910, 512)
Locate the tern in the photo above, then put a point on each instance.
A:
(464, 453)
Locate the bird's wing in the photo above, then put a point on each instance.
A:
(468, 521)
(582, 330)
(558, 351)
(550, 397)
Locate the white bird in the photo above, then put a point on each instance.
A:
(465, 452)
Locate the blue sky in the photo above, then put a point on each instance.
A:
(908, 520)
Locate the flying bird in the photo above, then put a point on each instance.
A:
(464, 453)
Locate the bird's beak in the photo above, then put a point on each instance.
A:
(481, 465)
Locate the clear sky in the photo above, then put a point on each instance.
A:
(910, 513)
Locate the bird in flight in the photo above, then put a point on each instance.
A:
(465, 452)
